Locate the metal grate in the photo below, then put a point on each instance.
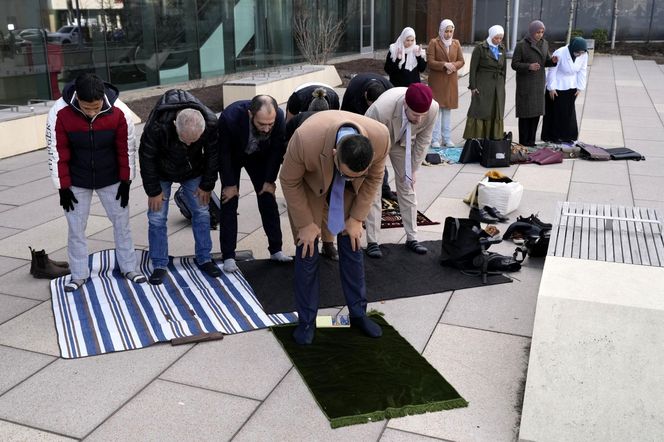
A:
(630, 235)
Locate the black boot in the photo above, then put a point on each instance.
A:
(43, 268)
(41, 253)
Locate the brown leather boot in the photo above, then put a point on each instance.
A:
(40, 253)
(43, 268)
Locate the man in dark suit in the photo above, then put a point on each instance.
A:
(334, 161)
(251, 135)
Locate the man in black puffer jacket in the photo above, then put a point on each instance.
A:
(179, 144)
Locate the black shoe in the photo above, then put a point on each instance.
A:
(416, 247)
(373, 250)
(211, 269)
(492, 211)
(367, 326)
(157, 276)
(534, 220)
(304, 333)
(480, 215)
(389, 194)
(329, 251)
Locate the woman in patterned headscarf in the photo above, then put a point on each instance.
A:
(564, 83)
(445, 59)
(486, 82)
(531, 56)
(405, 60)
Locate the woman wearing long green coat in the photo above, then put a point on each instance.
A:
(486, 82)
(531, 56)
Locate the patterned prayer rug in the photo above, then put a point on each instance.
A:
(111, 314)
(391, 217)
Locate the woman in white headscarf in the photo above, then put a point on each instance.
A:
(445, 58)
(531, 56)
(486, 81)
(405, 60)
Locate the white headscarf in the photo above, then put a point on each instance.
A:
(493, 31)
(411, 61)
(441, 32)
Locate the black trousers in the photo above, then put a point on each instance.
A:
(559, 122)
(528, 131)
(267, 206)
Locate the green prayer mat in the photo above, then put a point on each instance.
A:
(356, 379)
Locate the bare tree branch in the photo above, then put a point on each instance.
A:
(317, 37)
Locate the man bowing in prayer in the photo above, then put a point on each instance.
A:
(410, 115)
(334, 159)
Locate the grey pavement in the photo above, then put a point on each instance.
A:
(244, 387)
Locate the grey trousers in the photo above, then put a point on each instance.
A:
(77, 220)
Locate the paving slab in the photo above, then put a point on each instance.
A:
(32, 214)
(462, 184)
(651, 167)
(595, 365)
(644, 133)
(18, 433)
(542, 204)
(28, 192)
(66, 397)
(5, 207)
(185, 413)
(17, 365)
(302, 420)
(601, 172)
(486, 368)
(390, 435)
(248, 364)
(35, 158)
(25, 174)
(9, 264)
(33, 330)
(648, 187)
(543, 179)
(11, 306)
(647, 148)
(600, 194)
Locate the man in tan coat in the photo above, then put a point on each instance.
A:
(334, 160)
(410, 115)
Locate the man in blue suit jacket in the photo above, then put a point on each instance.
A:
(251, 135)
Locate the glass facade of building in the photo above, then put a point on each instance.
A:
(141, 43)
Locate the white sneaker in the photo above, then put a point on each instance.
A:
(449, 144)
(280, 257)
(230, 266)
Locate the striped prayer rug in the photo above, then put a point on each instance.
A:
(111, 314)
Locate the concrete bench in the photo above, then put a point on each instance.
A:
(279, 82)
(596, 364)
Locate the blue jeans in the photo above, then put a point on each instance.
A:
(200, 225)
(442, 130)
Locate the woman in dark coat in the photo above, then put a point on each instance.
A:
(405, 60)
(531, 56)
(487, 87)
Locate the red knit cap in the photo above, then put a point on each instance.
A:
(418, 97)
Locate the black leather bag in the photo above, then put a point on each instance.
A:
(496, 153)
(461, 242)
(472, 151)
(624, 153)
(185, 210)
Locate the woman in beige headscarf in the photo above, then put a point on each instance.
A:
(445, 59)
(486, 81)
(405, 60)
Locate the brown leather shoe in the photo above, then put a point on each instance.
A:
(329, 251)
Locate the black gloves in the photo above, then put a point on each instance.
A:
(123, 193)
(67, 199)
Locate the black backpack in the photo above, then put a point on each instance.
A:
(215, 207)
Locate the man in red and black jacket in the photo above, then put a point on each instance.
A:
(91, 146)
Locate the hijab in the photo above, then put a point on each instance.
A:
(441, 32)
(578, 44)
(410, 60)
(493, 31)
(533, 28)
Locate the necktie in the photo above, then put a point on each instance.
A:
(335, 217)
(408, 167)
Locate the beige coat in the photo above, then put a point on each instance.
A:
(445, 86)
(308, 168)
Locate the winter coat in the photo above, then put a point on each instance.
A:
(530, 85)
(487, 75)
(91, 153)
(402, 77)
(163, 157)
(445, 86)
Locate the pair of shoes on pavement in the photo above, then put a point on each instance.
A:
(487, 214)
(373, 249)
(230, 265)
(304, 333)
(329, 251)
